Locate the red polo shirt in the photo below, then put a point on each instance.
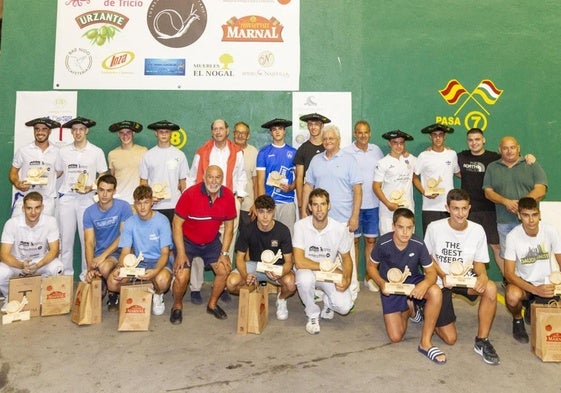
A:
(202, 216)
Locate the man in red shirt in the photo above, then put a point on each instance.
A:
(200, 211)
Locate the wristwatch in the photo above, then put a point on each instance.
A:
(225, 253)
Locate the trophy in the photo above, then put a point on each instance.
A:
(130, 268)
(14, 312)
(396, 196)
(457, 276)
(396, 277)
(327, 273)
(555, 279)
(432, 186)
(81, 183)
(275, 179)
(159, 191)
(35, 176)
(267, 264)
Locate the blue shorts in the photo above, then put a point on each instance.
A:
(251, 268)
(398, 303)
(368, 222)
(209, 252)
(504, 229)
(151, 263)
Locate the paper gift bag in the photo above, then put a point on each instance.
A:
(134, 307)
(253, 309)
(546, 331)
(29, 286)
(56, 295)
(86, 308)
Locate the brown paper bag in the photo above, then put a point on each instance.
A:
(86, 308)
(56, 295)
(253, 309)
(545, 339)
(30, 286)
(135, 306)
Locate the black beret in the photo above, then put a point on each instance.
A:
(128, 124)
(315, 116)
(43, 120)
(164, 125)
(397, 134)
(437, 127)
(79, 120)
(276, 122)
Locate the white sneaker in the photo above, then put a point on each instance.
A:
(372, 286)
(327, 313)
(312, 326)
(282, 310)
(158, 305)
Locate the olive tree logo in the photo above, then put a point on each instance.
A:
(176, 23)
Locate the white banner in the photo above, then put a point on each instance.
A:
(178, 44)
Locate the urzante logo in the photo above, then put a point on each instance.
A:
(117, 60)
(176, 23)
(113, 21)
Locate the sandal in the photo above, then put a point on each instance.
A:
(432, 353)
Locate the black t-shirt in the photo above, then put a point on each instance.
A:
(305, 153)
(257, 241)
(473, 170)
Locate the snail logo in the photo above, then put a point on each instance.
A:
(78, 61)
(177, 23)
(485, 92)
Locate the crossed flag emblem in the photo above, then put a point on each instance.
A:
(485, 90)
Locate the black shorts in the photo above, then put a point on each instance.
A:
(447, 314)
(488, 220)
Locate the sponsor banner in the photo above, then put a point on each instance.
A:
(338, 107)
(178, 44)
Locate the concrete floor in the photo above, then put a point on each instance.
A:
(351, 354)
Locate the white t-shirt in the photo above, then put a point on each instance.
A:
(437, 165)
(367, 161)
(447, 245)
(532, 253)
(30, 243)
(31, 156)
(72, 162)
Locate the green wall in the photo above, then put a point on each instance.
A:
(393, 57)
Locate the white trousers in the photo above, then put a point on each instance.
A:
(340, 302)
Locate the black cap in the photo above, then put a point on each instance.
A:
(397, 134)
(315, 116)
(43, 120)
(163, 125)
(437, 127)
(128, 124)
(276, 122)
(79, 120)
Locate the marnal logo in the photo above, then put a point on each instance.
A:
(56, 295)
(102, 16)
(135, 309)
(118, 60)
(554, 337)
(252, 28)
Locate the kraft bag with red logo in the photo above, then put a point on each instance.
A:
(546, 331)
(253, 309)
(86, 308)
(56, 295)
(135, 307)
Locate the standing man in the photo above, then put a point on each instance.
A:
(79, 163)
(147, 232)
(199, 213)
(30, 244)
(337, 173)
(528, 264)
(124, 160)
(393, 179)
(307, 151)
(435, 170)
(265, 233)
(401, 249)
(509, 179)
(275, 172)
(317, 238)
(457, 239)
(164, 168)
(367, 156)
(103, 224)
(38, 156)
(241, 136)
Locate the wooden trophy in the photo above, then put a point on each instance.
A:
(35, 176)
(555, 279)
(396, 196)
(432, 186)
(275, 179)
(130, 268)
(396, 279)
(327, 273)
(267, 264)
(14, 312)
(457, 276)
(81, 183)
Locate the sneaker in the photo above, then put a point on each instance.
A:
(484, 348)
(519, 331)
(113, 302)
(327, 313)
(158, 305)
(527, 312)
(196, 297)
(418, 317)
(282, 309)
(312, 326)
(371, 285)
